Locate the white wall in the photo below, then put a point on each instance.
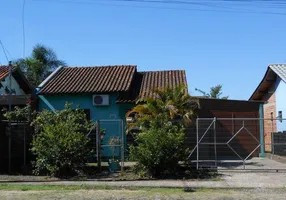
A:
(281, 103)
(14, 85)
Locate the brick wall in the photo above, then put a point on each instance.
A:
(269, 112)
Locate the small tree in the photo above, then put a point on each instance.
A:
(215, 92)
(174, 103)
(19, 114)
(61, 143)
(42, 62)
(160, 147)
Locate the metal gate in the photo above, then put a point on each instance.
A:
(240, 144)
(107, 138)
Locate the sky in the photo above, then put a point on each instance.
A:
(214, 45)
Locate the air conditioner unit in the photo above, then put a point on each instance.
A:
(100, 100)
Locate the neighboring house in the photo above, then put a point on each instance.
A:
(104, 92)
(21, 93)
(20, 87)
(272, 90)
(19, 83)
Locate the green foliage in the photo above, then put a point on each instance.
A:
(175, 103)
(39, 65)
(19, 114)
(61, 143)
(159, 148)
(215, 92)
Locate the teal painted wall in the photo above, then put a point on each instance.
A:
(85, 102)
(111, 112)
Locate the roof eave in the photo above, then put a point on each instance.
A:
(261, 82)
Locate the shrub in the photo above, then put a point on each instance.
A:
(159, 148)
(61, 143)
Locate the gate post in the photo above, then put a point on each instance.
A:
(98, 144)
(197, 131)
(215, 145)
(261, 125)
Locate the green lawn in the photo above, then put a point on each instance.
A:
(77, 192)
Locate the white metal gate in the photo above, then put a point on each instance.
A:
(237, 143)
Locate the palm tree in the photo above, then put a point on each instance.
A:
(174, 103)
(40, 64)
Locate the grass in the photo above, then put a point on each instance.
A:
(40, 187)
(60, 187)
(91, 192)
(44, 187)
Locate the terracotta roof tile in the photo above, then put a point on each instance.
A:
(145, 82)
(4, 71)
(18, 76)
(71, 80)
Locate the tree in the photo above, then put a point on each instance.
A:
(176, 103)
(161, 119)
(61, 142)
(40, 64)
(160, 148)
(215, 92)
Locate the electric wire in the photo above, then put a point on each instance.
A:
(23, 27)
(180, 3)
(4, 51)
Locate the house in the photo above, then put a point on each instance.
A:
(21, 93)
(106, 93)
(272, 90)
(20, 87)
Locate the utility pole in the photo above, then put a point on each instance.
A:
(10, 108)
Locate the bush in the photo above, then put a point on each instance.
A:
(61, 142)
(159, 148)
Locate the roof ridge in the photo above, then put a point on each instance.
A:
(175, 70)
(277, 64)
(94, 66)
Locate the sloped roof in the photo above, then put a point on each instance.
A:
(124, 79)
(280, 70)
(4, 71)
(72, 80)
(145, 82)
(161, 79)
(18, 76)
(273, 71)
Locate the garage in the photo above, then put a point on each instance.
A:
(225, 129)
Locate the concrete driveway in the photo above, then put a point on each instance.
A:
(255, 164)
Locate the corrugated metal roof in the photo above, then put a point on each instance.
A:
(268, 80)
(280, 70)
(145, 82)
(71, 80)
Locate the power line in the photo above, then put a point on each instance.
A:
(196, 3)
(9, 53)
(23, 27)
(170, 2)
(4, 51)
